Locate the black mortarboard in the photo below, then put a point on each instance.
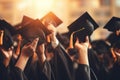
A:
(32, 30)
(83, 26)
(8, 31)
(26, 20)
(113, 24)
(9, 27)
(52, 18)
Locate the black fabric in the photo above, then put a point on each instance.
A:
(98, 67)
(4, 72)
(33, 71)
(17, 74)
(113, 38)
(63, 68)
(59, 65)
(115, 71)
(82, 72)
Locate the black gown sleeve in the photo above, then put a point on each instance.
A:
(4, 72)
(63, 68)
(34, 71)
(59, 64)
(17, 74)
(82, 72)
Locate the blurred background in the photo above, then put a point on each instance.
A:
(66, 10)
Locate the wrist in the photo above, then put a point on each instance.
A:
(53, 37)
(22, 61)
(42, 58)
(83, 57)
(24, 56)
(6, 62)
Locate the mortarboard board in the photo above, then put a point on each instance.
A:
(52, 18)
(83, 26)
(6, 25)
(6, 34)
(32, 30)
(26, 20)
(113, 24)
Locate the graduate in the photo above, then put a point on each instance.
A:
(114, 26)
(37, 67)
(103, 59)
(115, 70)
(62, 57)
(82, 27)
(6, 44)
(16, 71)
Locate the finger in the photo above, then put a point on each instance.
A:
(34, 43)
(10, 49)
(87, 39)
(77, 40)
(4, 52)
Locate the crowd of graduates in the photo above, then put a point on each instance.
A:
(34, 50)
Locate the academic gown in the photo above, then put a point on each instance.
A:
(11, 73)
(4, 72)
(115, 72)
(17, 74)
(34, 71)
(98, 69)
(63, 69)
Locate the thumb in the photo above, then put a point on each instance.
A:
(87, 40)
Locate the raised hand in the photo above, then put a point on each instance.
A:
(82, 51)
(27, 51)
(30, 48)
(41, 53)
(82, 46)
(7, 56)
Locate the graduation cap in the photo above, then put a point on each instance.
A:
(51, 18)
(83, 26)
(26, 20)
(113, 24)
(6, 32)
(32, 30)
(9, 27)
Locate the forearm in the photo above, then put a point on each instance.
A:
(22, 61)
(6, 62)
(41, 58)
(83, 57)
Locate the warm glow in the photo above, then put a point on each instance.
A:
(37, 6)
